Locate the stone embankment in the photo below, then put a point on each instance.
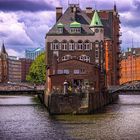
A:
(83, 103)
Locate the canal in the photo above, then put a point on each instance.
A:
(24, 117)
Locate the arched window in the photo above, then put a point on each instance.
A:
(87, 45)
(84, 58)
(71, 45)
(80, 45)
(64, 45)
(66, 57)
(55, 45)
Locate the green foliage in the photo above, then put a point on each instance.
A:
(37, 72)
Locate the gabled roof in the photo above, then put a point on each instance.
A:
(96, 22)
(80, 16)
(68, 18)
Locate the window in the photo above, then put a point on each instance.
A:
(64, 46)
(82, 71)
(85, 58)
(55, 45)
(87, 45)
(76, 71)
(60, 30)
(66, 71)
(59, 71)
(66, 57)
(75, 30)
(80, 45)
(71, 46)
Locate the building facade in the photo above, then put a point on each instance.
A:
(25, 66)
(83, 48)
(14, 69)
(130, 66)
(3, 65)
(33, 53)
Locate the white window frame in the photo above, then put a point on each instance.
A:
(66, 57)
(75, 30)
(80, 46)
(55, 46)
(71, 46)
(59, 71)
(87, 46)
(84, 58)
(64, 46)
(66, 71)
(76, 71)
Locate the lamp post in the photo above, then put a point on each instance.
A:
(65, 87)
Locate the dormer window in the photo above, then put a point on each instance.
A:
(75, 27)
(60, 28)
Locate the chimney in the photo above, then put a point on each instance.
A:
(59, 12)
(89, 12)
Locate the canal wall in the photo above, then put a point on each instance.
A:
(63, 104)
(98, 100)
(84, 103)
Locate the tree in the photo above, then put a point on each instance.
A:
(37, 72)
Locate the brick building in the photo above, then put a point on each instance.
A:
(81, 45)
(12, 68)
(25, 66)
(130, 65)
(3, 65)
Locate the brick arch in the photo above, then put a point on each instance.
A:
(80, 41)
(71, 41)
(55, 41)
(64, 41)
(87, 41)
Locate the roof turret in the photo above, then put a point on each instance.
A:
(96, 21)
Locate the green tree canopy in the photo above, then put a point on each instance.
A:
(37, 72)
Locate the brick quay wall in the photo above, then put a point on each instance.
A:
(84, 103)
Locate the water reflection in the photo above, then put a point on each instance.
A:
(28, 119)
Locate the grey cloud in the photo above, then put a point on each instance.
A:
(24, 5)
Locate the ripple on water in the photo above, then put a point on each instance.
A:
(116, 122)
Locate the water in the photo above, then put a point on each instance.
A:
(24, 117)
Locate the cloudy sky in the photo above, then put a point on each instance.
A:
(24, 23)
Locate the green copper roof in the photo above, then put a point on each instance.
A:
(96, 20)
(75, 25)
(60, 25)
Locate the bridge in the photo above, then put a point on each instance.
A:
(20, 89)
(130, 88)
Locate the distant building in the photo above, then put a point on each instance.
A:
(3, 65)
(14, 69)
(25, 66)
(130, 65)
(33, 53)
